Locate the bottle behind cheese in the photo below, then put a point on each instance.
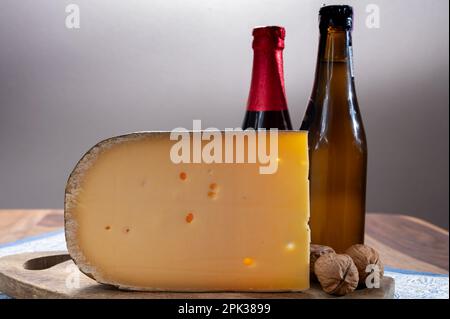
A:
(337, 142)
(266, 105)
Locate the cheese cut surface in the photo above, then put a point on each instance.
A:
(136, 220)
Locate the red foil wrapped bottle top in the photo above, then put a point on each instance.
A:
(267, 92)
(268, 37)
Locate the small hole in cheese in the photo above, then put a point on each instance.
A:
(290, 246)
(183, 176)
(107, 227)
(126, 230)
(248, 261)
(189, 218)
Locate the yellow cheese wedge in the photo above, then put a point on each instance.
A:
(136, 220)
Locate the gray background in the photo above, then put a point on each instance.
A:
(156, 65)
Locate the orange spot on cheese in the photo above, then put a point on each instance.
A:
(248, 261)
(189, 218)
(183, 176)
(212, 195)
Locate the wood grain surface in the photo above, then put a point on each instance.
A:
(403, 241)
(20, 223)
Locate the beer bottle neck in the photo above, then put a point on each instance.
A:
(334, 44)
(335, 58)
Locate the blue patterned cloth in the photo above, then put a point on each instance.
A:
(408, 284)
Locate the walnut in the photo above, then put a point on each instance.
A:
(337, 273)
(315, 252)
(363, 256)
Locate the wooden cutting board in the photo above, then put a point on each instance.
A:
(54, 275)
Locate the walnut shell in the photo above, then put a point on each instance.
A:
(315, 251)
(337, 274)
(363, 256)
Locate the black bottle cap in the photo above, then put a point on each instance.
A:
(336, 16)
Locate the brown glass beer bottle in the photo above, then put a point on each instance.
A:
(337, 142)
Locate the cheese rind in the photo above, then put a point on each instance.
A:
(136, 220)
